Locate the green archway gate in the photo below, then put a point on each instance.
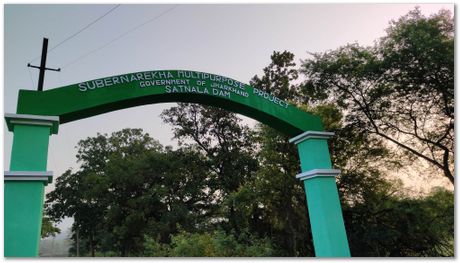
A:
(39, 113)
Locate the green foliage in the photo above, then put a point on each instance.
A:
(400, 91)
(281, 207)
(48, 229)
(374, 95)
(217, 244)
(228, 150)
(192, 245)
(278, 77)
(128, 186)
(386, 225)
(153, 248)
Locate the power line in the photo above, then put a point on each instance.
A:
(81, 30)
(120, 36)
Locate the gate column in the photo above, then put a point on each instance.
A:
(25, 182)
(325, 212)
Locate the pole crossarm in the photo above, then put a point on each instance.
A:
(53, 69)
(42, 67)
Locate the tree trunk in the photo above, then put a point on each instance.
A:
(91, 243)
(78, 244)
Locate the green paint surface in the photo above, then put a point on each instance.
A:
(103, 95)
(329, 236)
(325, 212)
(314, 154)
(30, 148)
(23, 209)
(23, 200)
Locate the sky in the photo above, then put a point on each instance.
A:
(231, 40)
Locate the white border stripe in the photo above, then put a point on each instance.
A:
(28, 173)
(318, 173)
(46, 176)
(32, 122)
(311, 135)
(32, 117)
(29, 119)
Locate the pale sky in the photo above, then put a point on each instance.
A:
(230, 40)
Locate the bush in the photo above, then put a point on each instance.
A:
(216, 244)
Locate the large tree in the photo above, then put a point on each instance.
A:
(401, 90)
(228, 147)
(129, 186)
(280, 196)
(374, 208)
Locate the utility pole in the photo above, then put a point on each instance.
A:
(43, 67)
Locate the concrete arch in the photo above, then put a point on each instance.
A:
(89, 98)
(39, 114)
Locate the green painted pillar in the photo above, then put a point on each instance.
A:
(25, 182)
(325, 212)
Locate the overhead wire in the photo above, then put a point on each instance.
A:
(81, 30)
(119, 37)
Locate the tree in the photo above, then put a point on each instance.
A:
(376, 211)
(228, 147)
(48, 229)
(383, 224)
(400, 91)
(279, 76)
(280, 196)
(130, 186)
(72, 197)
(215, 244)
(276, 187)
(83, 195)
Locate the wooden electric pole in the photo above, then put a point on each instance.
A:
(42, 68)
